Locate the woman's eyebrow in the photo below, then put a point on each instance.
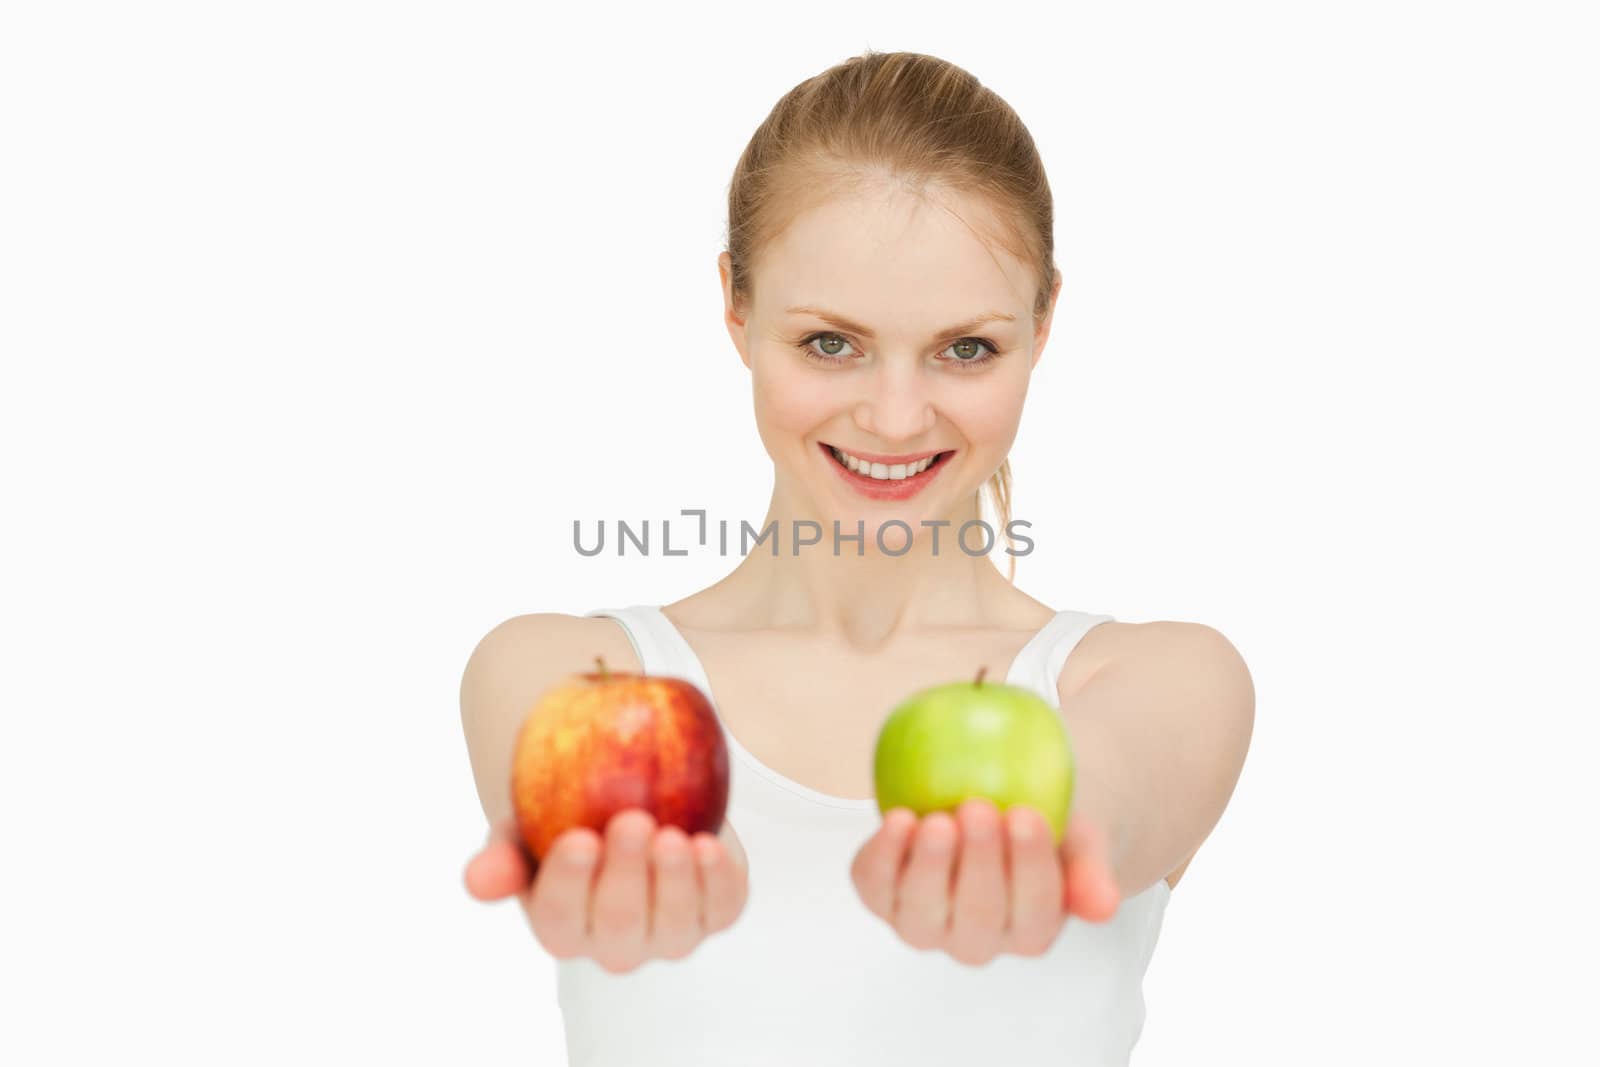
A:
(965, 326)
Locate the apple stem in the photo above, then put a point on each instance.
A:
(981, 672)
(602, 665)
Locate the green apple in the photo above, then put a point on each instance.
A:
(943, 745)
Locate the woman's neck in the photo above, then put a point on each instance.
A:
(860, 595)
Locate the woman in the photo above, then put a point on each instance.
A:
(889, 283)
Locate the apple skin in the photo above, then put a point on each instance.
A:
(604, 741)
(948, 743)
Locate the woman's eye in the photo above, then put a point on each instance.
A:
(829, 352)
(971, 350)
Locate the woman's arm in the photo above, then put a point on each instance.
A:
(1160, 732)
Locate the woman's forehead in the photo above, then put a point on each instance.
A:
(865, 256)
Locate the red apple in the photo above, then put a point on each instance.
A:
(607, 740)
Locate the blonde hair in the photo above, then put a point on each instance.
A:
(920, 120)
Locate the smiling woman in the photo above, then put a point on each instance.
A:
(889, 285)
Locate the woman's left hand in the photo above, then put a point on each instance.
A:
(984, 882)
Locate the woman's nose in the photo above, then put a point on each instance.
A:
(897, 406)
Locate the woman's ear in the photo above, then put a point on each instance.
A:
(730, 316)
(1043, 333)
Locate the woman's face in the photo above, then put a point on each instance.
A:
(863, 336)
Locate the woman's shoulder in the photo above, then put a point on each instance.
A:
(548, 641)
(1114, 641)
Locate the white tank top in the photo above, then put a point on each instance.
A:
(806, 975)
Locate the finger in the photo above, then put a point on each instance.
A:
(558, 906)
(501, 867)
(1036, 911)
(878, 863)
(674, 927)
(980, 899)
(1090, 887)
(922, 902)
(622, 892)
(724, 884)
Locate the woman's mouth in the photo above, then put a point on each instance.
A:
(886, 481)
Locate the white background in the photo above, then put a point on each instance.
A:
(322, 321)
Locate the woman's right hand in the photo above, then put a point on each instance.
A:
(658, 894)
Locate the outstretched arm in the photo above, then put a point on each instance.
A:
(1160, 733)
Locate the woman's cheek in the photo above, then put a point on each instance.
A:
(790, 401)
(986, 413)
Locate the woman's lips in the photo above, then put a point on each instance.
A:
(887, 488)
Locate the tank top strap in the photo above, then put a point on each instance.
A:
(656, 642)
(1039, 664)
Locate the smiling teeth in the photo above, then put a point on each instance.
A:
(883, 473)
